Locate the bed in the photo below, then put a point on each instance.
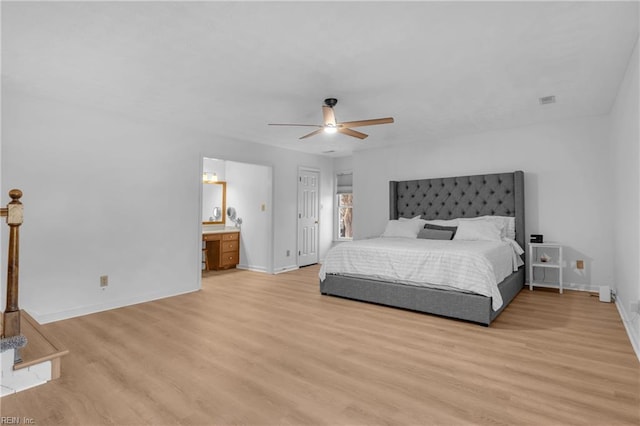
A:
(463, 197)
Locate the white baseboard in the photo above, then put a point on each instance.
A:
(577, 287)
(286, 269)
(634, 337)
(100, 307)
(581, 287)
(252, 268)
(45, 318)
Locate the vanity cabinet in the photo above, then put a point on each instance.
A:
(223, 249)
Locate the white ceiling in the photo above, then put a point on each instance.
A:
(228, 68)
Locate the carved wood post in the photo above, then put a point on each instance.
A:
(11, 316)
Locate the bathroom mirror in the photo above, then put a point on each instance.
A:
(233, 216)
(214, 202)
(231, 212)
(217, 214)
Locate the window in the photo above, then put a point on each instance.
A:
(345, 216)
(344, 203)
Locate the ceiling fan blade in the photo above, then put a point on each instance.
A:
(315, 132)
(329, 116)
(299, 125)
(355, 134)
(371, 122)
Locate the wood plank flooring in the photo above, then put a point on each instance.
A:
(260, 349)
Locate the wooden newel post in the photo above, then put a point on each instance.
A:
(11, 316)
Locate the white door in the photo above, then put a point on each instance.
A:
(308, 213)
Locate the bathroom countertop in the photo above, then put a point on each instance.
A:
(220, 230)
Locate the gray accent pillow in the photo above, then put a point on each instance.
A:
(451, 229)
(435, 234)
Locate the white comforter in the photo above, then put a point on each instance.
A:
(470, 266)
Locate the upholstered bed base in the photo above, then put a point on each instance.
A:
(452, 304)
(498, 194)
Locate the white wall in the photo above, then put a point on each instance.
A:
(109, 195)
(343, 164)
(567, 184)
(625, 212)
(248, 188)
(214, 165)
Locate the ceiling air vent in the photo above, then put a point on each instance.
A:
(547, 100)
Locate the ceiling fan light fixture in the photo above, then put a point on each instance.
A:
(330, 129)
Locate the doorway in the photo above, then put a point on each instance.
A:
(249, 191)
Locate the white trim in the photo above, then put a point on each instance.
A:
(200, 243)
(635, 341)
(570, 286)
(252, 268)
(286, 269)
(582, 287)
(272, 223)
(101, 307)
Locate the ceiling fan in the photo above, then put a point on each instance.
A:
(331, 126)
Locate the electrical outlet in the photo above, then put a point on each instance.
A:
(104, 280)
(288, 253)
(579, 264)
(635, 307)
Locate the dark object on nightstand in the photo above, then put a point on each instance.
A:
(536, 238)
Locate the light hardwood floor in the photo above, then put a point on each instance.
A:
(257, 349)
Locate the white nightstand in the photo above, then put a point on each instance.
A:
(537, 252)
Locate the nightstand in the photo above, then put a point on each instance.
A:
(545, 256)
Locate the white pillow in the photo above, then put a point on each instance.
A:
(403, 228)
(474, 230)
(509, 227)
(506, 224)
(404, 219)
(409, 218)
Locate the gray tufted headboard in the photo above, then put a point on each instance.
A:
(499, 194)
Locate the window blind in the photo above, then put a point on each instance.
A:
(345, 183)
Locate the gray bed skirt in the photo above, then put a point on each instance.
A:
(451, 304)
